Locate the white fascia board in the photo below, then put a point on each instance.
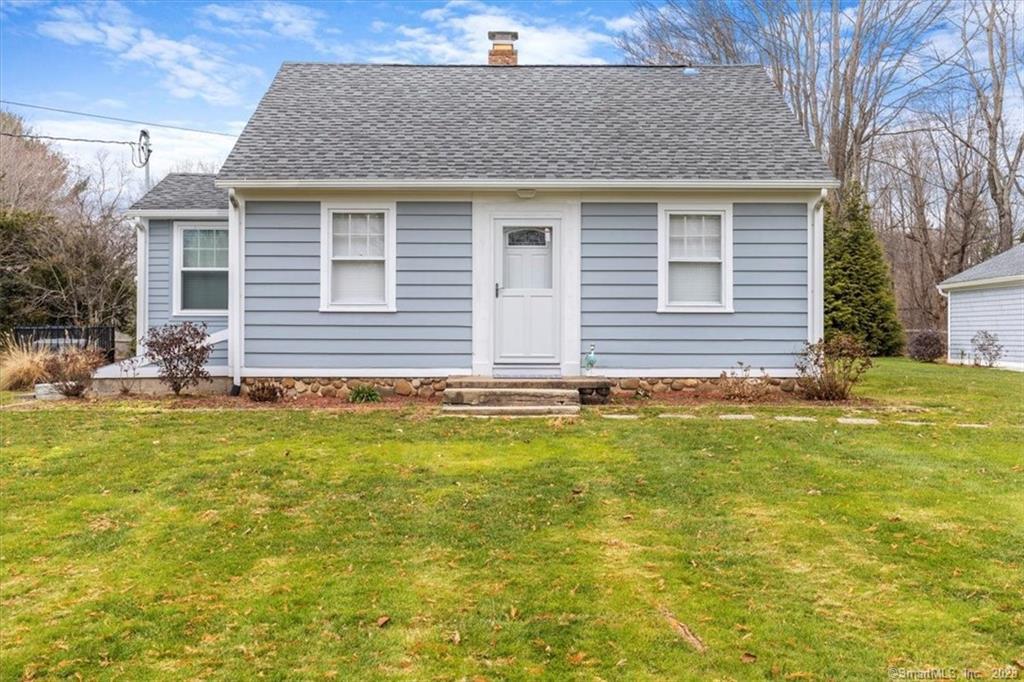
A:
(535, 183)
(991, 281)
(179, 214)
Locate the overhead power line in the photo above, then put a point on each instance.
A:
(114, 118)
(66, 139)
(141, 150)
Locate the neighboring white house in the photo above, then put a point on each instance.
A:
(988, 297)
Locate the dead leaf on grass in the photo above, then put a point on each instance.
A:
(684, 631)
(383, 620)
(748, 657)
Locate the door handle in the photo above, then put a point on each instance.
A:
(496, 288)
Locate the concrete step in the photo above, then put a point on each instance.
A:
(576, 382)
(510, 410)
(532, 397)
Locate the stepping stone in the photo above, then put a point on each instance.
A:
(620, 416)
(787, 418)
(736, 417)
(973, 426)
(858, 421)
(909, 422)
(671, 415)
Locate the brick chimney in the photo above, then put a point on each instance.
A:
(503, 52)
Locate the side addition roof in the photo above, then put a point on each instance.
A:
(1008, 264)
(363, 122)
(184, 192)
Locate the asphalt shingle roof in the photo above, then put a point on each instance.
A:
(184, 191)
(367, 121)
(1006, 264)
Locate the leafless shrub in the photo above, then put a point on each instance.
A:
(829, 369)
(70, 371)
(926, 346)
(180, 353)
(738, 384)
(987, 349)
(265, 391)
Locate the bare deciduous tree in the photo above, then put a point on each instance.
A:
(67, 254)
(992, 65)
(847, 73)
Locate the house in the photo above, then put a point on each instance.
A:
(988, 297)
(400, 221)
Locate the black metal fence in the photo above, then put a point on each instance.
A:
(57, 337)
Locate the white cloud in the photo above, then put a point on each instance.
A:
(621, 24)
(189, 68)
(268, 19)
(456, 33)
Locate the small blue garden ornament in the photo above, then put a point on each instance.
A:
(589, 360)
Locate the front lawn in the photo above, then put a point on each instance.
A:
(145, 542)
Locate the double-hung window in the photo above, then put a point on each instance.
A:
(695, 259)
(201, 269)
(358, 258)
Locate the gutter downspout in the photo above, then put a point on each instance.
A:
(818, 268)
(141, 282)
(234, 291)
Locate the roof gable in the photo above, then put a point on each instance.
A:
(341, 122)
(1009, 263)
(184, 192)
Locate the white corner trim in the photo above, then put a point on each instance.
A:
(141, 282)
(521, 183)
(179, 214)
(683, 373)
(177, 228)
(1007, 280)
(389, 209)
(665, 211)
(356, 372)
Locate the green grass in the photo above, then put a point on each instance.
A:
(145, 542)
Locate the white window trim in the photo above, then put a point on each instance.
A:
(664, 212)
(177, 258)
(390, 260)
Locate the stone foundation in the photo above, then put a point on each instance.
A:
(430, 387)
(655, 385)
(333, 387)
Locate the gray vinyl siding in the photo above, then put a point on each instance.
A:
(431, 329)
(160, 304)
(620, 292)
(999, 310)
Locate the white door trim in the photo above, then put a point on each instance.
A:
(567, 253)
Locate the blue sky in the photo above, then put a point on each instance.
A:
(206, 64)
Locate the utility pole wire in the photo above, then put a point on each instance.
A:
(67, 139)
(114, 118)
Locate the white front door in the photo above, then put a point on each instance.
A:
(527, 322)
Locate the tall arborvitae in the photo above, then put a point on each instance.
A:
(859, 297)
